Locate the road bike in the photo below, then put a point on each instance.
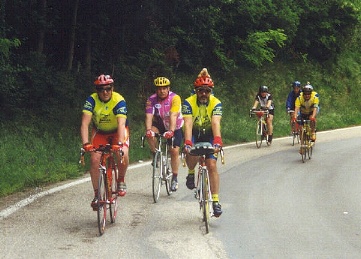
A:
(305, 139)
(295, 130)
(161, 167)
(203, 190)
(107, 183)
(261, 126)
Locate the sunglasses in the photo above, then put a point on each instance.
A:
(105, 89)
(204, 91)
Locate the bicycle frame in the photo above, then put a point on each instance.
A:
(305, 138)
(107, 184)
(162, 173)
(261, 126)
(203, 190)
(295, 130)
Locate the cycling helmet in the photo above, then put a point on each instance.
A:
(103, 80)
(161, 81)
(263, 89)
(307, 88)
(296, 84)
(203, 81)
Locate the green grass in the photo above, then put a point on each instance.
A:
(38, 151)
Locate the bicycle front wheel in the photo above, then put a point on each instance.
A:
(205, 199)
(102, 203)
(303, 148)
(157, 175)
(259, 134)
(168, 174)
(113, 205)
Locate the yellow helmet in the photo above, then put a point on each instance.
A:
(161, 81)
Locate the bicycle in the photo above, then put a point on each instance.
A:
(295, 130)
(107, 186)
(305, 138)
(203, 190)
(261, 126)
(162, 173)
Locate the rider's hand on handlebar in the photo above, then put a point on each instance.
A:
(168, 134)
(187, 146)
(118, 146)
(217, 143)
(88, 147)
(150, 133)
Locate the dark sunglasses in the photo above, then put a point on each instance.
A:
(105, 89)
(204, 91)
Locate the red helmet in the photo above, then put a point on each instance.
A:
(103, 80)
(203, 81)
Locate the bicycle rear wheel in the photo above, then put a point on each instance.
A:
(157, 175)
(259, 134)
(113, 205)
(102, 203)
(205, 199)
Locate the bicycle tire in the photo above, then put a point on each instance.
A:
(157, 175)
(113, 205)
(265, 134)
(295, 134)
(259, 134)
(102, 203)
(168, 174)
(205, 199)
(303, 145)
(309, 146)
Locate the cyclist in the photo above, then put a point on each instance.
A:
(107, 111)
(163, 115)
(265, 100)
(290, 103)
(202, 113)
(307, 105)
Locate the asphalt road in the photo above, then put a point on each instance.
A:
(274, 206)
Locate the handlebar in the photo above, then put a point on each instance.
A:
(156, 135)
(202, 151)
(259, 113)
(104, 149)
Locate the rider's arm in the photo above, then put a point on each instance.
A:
(255, 104)
(84, 128)
(268, 105)
(188, 125)
(174, 112)
(148, 121)
(216, 125)
(121, 128)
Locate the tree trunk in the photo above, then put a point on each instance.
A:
(42, 27)
(87, 58)
(72, 36)
(2, 19)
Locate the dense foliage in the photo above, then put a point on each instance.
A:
(50, 52)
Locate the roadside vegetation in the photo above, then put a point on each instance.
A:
(50, 52)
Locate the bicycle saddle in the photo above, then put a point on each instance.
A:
(202, 148)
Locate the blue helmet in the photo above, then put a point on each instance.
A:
(296, 84)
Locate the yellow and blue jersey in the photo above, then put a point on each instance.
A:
(104, 114)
